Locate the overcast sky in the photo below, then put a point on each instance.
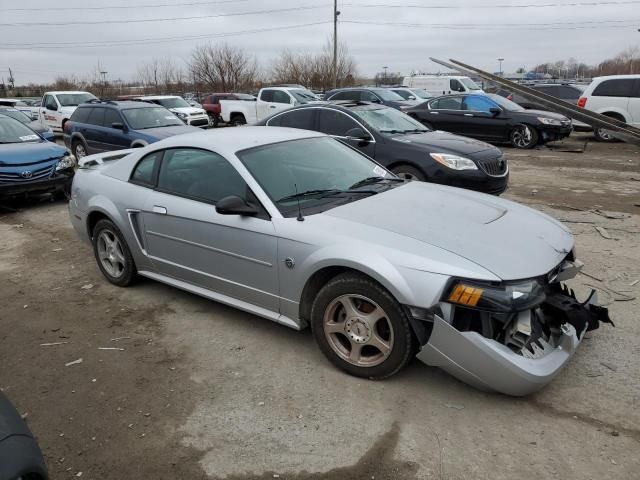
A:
(474, 35)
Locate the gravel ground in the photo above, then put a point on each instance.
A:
(198, 390)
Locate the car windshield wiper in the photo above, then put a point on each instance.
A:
(415, 130)
(391, 131)
(372, 180)
(309, 193)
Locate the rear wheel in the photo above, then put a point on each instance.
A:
(238, 120)
(524, 136)
(112, 254)
(604, 135)
(213, 121)
(361, 328)
(407, 172)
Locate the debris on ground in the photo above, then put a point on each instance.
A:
(75, 362)
(88, 286)
(610, 366)
(111, 348)
(603, 232)
(51, 344)
(455, 406)
(119, 338)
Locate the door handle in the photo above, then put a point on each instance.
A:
(272, 106)
(159, 209)
(434, 113)
(468, 114)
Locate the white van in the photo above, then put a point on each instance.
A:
(616, 96)
(438, 85)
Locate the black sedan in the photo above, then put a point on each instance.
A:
(378, 95)
(492, 118)
(403, 145)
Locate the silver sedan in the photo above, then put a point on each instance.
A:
(301, 229)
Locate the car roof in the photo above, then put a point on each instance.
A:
(228, 141)
(158, 97)
(119, 104)
(56, 92)
(616, 77)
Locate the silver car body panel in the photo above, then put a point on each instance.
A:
(412, 239)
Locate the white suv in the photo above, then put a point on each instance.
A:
(616, 96)
(193, 116)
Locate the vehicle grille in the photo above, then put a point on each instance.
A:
(494, 167)
(200, 122)
(18, 177)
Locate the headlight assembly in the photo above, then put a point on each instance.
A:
(550, 121)
(509, 297)
(454, 162)
(68, 161)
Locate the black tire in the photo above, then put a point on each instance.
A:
(79, 144)
(128, 273)
(238, 120)
(600, 133)
(401, 344)
(524, 136)
(213, 121)
(408, 172)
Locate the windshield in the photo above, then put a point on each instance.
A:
(150, 117)
(505, 103)
(74, 99)
(308, 165)
(303, 96)
(173, 102)
(420, 93)
(12, 131)
(390, 121)
(17, 114)
(388, 95)
(470, 84)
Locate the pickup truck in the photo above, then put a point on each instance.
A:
(270, 100)
(56, 107)
(211, 104)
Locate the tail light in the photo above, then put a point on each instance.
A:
(510, 97)
(582, 102)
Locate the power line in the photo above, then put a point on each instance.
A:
(468, 7)
(511, 26)
(119, 7)
(150, 41)
(153, 20)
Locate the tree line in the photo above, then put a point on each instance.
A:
(626, 62)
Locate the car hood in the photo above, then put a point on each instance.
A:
(165, 132)
(509, 240)
(546, 114)
(437, 141)
(28, 153)
(188, 110)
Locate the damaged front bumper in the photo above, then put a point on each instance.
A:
(490, 365)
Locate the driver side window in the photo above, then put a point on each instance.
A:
(333, 122)
(455, 85)
(199, 174)
(476, 103)
(50, 103)
(367, 96)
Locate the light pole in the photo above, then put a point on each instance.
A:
(500, 60)
(385, 75)
(104, 82)
(335, 43)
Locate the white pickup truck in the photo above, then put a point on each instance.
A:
(57, 107)
(269, 101)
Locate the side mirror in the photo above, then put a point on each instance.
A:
(358, 133)
(376, 100)
(234, 205)
(495, 111)
(118, 126)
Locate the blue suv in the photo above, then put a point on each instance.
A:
(100, 126)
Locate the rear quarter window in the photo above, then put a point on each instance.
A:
(81, 115)
(621, 87)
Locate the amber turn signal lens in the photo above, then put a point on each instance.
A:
(465, 295)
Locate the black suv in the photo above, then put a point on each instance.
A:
(104, 126)
(402, 144)
(380, 96)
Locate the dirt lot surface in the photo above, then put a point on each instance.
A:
(198, 390)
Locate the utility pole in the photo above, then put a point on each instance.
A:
(104, 82)
(501, 60)
(335, 43)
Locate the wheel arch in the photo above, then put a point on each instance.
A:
(139, 143)
(615, 113)
(408, 163)
(102, 208)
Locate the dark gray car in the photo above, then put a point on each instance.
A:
(381, 96)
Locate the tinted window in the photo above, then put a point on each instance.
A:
(622, 87)
(110, 117)
(455, 85)
(50, 103)
(561, 91)
(281, 97)
(199, 174)
(298, 119)
(145, 170)
(368, 96)
(347, 95)
(96, 116)
(477, 103)
(81, 115)
(447, 103)
(266, 96)
(333, 122)
(403, 93)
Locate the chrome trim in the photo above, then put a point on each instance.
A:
(206, 247)
(131, 211)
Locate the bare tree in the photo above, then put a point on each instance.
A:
(223, 67)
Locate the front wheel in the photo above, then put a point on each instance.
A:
(603, 135)
(407, 172)
(524, 136)
(112, 254)
(213, 121)
(361, 328)
(79, 149)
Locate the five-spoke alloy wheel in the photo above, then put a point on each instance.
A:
(360, 327)
(112, 254)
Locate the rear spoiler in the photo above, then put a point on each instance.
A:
(621, 130)
(101, 158)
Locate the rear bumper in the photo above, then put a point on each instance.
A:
(488, 365)
(60, 182)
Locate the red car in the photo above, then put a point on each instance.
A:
(211, 104)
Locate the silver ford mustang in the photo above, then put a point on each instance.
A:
(299, 228)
